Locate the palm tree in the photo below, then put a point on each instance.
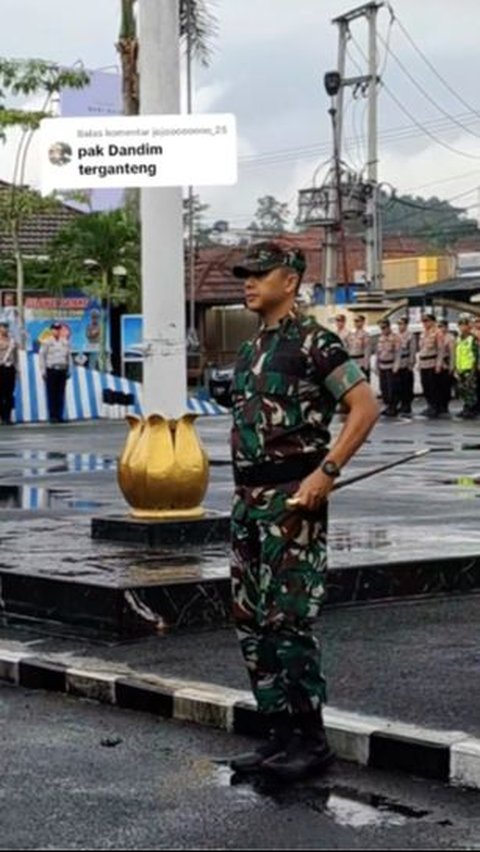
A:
(196, 21)
(100, 252)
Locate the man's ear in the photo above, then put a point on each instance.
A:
(293, 282)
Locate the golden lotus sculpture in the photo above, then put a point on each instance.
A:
(163, 469)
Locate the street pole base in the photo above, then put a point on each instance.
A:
(169, 514)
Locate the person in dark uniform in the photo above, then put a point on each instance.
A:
(8, 372)
(287, 383)
(55, 366)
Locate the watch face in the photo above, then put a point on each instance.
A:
(330, 468)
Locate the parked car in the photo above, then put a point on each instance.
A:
(220, 385)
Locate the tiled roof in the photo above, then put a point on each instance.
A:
(215, 284)
(37, 232)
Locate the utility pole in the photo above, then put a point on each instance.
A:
(334, 199)
(372, 226)
(163, 284)
(374, 275)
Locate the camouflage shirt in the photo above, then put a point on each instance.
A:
(287, 382)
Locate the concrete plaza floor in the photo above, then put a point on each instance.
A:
(412, 659)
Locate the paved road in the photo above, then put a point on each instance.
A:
(76, 775)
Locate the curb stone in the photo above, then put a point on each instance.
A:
(449, 756)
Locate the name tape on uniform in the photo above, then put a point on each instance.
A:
(138, 151)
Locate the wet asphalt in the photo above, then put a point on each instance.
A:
(415, 660)
(77, 775)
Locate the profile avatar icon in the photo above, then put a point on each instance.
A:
(60, 153)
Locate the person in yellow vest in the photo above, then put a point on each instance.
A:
(466, 359)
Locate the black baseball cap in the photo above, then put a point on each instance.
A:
(56, 325)
(265, 256)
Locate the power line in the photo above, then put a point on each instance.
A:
(434, 69)
(426, 94)
(414, 120)
(425, 130)
(400, 134)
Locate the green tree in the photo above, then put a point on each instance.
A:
(193, 210)
(433, 219)
(271, 215)
(196, 19)
(19, 204)
(19, 77)
(100, 252)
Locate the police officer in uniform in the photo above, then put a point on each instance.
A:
(445, 376)
(430, 357)
(341, 328)
(287, 382)
(359, 345)
(55, 366)
(404, 367)
(388, 348)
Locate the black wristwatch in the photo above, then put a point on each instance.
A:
(331, 468)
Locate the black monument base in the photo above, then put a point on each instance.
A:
(172, 598)
(212, 528)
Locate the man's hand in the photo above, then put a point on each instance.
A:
(313, 491)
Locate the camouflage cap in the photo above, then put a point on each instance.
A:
(263, 257)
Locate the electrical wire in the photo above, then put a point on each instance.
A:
(414, 120)
(426, 94)
(400, 133)
(434, 70)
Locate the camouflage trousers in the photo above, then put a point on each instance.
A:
(467, 389)
(278, 571)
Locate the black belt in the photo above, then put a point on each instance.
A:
(278, 472)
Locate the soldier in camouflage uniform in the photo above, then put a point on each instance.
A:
(287, 383)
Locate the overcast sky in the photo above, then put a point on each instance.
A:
(267, 68)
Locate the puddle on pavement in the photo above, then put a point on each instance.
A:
(38, 463)
(31, 497)
(345, 805)
(365, 539)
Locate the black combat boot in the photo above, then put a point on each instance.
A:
(307, 752)
(280, 734)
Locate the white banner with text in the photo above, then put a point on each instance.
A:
(138, 151)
